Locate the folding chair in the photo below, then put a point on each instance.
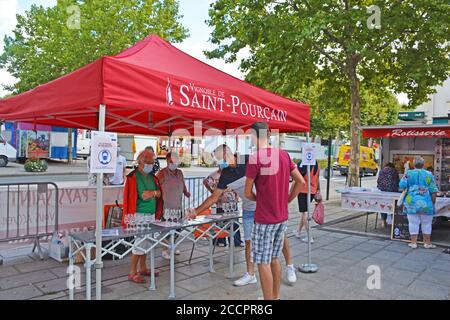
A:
(200, 233)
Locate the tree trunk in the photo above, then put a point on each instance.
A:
(69, 146)
(353, 178)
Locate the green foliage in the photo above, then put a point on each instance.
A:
(49, 42)
(293, 43)
(35, 165)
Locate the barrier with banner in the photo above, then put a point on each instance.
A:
(76, 207)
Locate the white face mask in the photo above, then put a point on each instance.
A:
(148, 168)
(173, 166)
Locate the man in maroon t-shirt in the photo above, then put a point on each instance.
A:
(269, 170)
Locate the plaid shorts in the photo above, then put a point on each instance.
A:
(267, 241)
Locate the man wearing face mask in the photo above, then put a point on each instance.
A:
(143, 195)
(121, 166)
(173, 188)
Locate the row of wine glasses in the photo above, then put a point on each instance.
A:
(172, 215)
(229, 208)
(138, 221)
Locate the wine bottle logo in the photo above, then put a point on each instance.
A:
(169, 96)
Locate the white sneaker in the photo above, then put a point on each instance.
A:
(429, 246)
(245, 280)
(297, 234)
(291, 276)
(177, 252)
(165, 254)
(412, 245)
(305, 239)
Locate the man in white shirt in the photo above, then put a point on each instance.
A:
(121, 166)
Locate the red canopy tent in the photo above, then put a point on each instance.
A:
(153, 88)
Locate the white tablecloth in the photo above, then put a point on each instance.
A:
(373, 200)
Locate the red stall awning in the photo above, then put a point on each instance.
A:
(154, 88)
(407, 131)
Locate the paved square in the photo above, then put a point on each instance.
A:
(346, 263)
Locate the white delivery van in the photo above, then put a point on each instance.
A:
(7, 152)
(83, 143)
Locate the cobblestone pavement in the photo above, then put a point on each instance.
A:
(343, 261)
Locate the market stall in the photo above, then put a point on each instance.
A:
(152, 88)
(399, 145)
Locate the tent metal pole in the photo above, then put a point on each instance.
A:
(99, 215)
(308, 267)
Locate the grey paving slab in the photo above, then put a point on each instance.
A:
(339, 235)
(404, 296)
(201, 282)
(355, 255)
(422, 255)
(379, 242)
(37, 265)
(322, 253)
(427, 290)
(444, 256)
(350, 241)
(339, 247)
(17, 260)
(398, 247)
(439, 264)
(20, 293)
(52, 286)
(331, 271)
(199, 268)
(436, 276)
(399, 276)
(333, 288)
(25, 279)
(369, 247)
(7, 271)
(356, 274)
(226, 291)
(414, 266)
(358, 295)
(387, 291)
(159, 294)
(127, 288)
(389, 255)
(369, 261)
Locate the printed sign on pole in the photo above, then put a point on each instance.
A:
(103, 152)
(308, 154)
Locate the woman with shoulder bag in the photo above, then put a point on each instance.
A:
(303, 197)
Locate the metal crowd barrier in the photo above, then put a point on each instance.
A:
(198, 192)
(28, 211)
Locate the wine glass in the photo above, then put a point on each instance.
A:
(138, 222)
(175, 215)
(148, 220)
(166, 214)
(126, 220)
(132, 221)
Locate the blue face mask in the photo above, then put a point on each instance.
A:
(223, 164)
(148, 168)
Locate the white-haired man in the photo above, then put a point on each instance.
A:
(143, 195)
